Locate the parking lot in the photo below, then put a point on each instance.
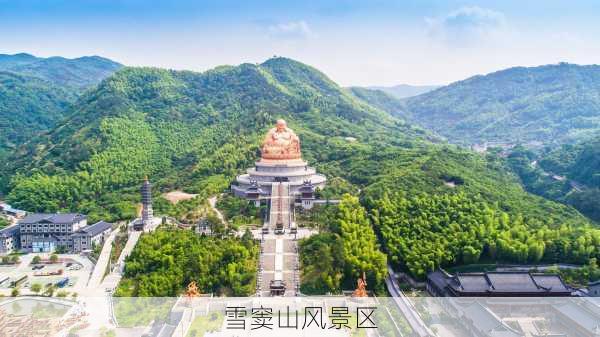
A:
(70, 273)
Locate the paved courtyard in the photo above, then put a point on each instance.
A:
(75, 267)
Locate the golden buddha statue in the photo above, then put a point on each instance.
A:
(281, 143)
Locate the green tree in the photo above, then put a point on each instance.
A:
(49, 291)
(36, 288)
(53, 258)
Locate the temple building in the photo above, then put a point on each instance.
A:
(496, 284)
(147, 218)
(280, 176)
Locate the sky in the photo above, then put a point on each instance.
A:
(362, 43)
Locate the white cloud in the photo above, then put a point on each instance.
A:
(466, 26)
(290, 30)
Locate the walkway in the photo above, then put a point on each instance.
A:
(279, 212)
(112, 280)
(212, 201)
(103, 260)
(410, 313)
(278, 261)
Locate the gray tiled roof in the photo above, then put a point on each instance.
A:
(549, 281)
(472, 282)
(96, 228)
(9, 231)
(57, 218)
(499, 282)
(519, 281)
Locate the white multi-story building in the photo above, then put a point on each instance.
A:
(90, 236)
(42, 232)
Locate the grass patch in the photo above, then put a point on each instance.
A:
(204, 324)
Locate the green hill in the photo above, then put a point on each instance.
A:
(380, 99)
(28, 105)
(197, 131)
(401, 91)
(77, 74)
(569, 174)
(546, 104)
(36, 92)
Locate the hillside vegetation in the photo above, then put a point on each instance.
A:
(35, 93)
(401, 91)
(185, 130)
(77, 74)
(163, 263)
(196, 131)
(547, 104)
(569, 174)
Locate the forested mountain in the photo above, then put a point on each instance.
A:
(405, 90)
(36, 92)
(548, 104)
(197, 131)
(381, 100)
(569, 174)
(184, 129)
(28, 105)
(77, 74)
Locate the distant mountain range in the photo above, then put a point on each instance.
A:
(35, 92)
(545, 105)
(401, 91)
(78, 73)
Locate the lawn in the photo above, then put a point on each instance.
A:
(204, 324)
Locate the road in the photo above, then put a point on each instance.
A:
(577, 186)
(112, 280)
(103, 261)
(212, 201)
(412, 317)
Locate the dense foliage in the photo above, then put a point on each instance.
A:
(579, 162)
(405, 90)
(578, 277)
(77, 74)
(185, 130)
(552, 103)
(36, 93)
(196, 131)
(569, 174)
(3, 222)
(238, 211)
(336, 258)
(28, 105)
(422, 232)
(164, 262)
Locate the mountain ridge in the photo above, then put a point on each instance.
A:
(35, 93)
(401, 91)
(558, 102)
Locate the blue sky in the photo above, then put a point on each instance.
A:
(354, 42)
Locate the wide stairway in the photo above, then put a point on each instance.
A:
(279, 252)
(280, 205)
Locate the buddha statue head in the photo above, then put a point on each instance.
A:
(281, 143)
